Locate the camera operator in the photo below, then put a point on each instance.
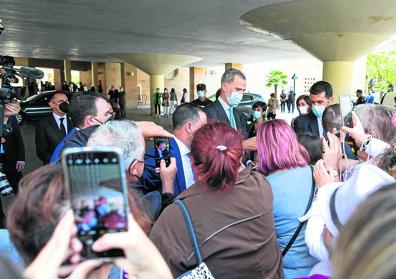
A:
(12, 147)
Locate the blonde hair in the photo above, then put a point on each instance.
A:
(366, 247)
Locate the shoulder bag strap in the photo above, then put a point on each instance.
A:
(301, 225)
(190, 229)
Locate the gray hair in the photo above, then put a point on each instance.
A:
(230, 74)
(123, 134)
(377, 118)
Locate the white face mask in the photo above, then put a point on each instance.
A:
(303, 109)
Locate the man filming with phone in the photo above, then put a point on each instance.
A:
(127, 135)
(187, 119)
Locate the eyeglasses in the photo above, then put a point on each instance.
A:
(109, 113)
(101, 123)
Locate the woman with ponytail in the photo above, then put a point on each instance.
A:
(231, 211)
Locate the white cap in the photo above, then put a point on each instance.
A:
(338, 202)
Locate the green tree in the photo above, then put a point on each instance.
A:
(275, 79)
(381, 67)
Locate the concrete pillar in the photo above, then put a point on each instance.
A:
(130, 84)
(234, 65)
(86, 78)
(57, 79)
(122, 67)
(102, 76)
(67, 70)
(113, 76)
(94, 72)
(156, 81)
(197, 76)
(340, 75)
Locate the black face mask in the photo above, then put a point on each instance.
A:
(64, 107)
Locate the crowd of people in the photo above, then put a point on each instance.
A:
(241, 197)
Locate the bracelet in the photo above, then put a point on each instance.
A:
(332, 172)
(366, 143)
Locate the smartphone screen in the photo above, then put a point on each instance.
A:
(97, 186)
(161, 150)
(346, 106)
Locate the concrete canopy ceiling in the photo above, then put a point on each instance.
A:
(335, 30)
(113, 30)
(157, 63)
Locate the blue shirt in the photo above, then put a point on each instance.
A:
(369, 99)
(8, 250)
(292, 190)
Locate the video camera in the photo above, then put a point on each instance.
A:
(8, 75)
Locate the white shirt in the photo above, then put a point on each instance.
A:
(226, 108)
(187, 169)
(57, 119)
(322, 268)
(320, 126)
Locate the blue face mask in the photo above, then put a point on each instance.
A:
(201, 94)
(318, 110)
(256, 115)
(234, 99)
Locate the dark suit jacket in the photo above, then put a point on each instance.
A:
(14, 147)
(307, 123)
(48, 136)
(215, 111)
(151, 180)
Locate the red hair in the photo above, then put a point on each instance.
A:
(218, 168)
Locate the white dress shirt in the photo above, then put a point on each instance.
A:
(187, 169)
(57, 120)
(320, 126)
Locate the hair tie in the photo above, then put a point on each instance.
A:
(221, 147)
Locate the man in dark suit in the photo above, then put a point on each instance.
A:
(233, 84)
(12, 148)
(51, 130)
(187, 119)
(321, 95)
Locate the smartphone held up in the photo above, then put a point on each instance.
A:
(162, 151)
(98, 192)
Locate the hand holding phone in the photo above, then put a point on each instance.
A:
(161, 150)
(97, 184)
(142, 257)
(346, 107)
